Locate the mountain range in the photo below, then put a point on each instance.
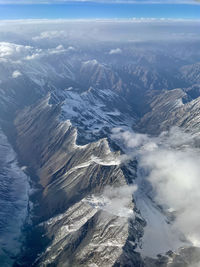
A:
(83, 126)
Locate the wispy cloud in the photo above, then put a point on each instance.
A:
(171, 164)
(16, 74)
(115, 51)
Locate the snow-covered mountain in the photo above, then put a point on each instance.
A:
(97, 194)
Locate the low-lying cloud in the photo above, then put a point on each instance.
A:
(115, 200)
(171, 164)
(115, 51)
(16, 74)
(49, 35)
(13, 50)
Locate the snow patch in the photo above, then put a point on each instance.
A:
(159, 234)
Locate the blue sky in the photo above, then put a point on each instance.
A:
(25, 9)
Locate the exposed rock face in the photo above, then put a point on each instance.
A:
(162, 107)
(191, 73)
(94, 74)
(168, 109)
(82, 233)
(75, 222)
(84, 236)
(51, 150)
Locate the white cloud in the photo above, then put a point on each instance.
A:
(58, 50)
(9, 49)
(16, 74)
(130, 139)
(5, 50)
(115, 51)
(14, 51)
(18, 53)
(60, 47)
(115, 200)
(171, 163)
(71, 48)
(120, 200)
(33, 56)
(49, 35)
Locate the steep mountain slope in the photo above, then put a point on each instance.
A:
(69, 174)
(76, 213)
(168, 109)
(95, 111)
(191, 73)
(83, 209)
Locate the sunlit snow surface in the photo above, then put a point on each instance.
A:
(89, 113)
(159, 234)
(14, 189)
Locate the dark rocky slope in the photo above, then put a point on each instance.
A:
(171, 108)
(72, 209)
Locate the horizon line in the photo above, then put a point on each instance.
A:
(114, 2)
(134, 19)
